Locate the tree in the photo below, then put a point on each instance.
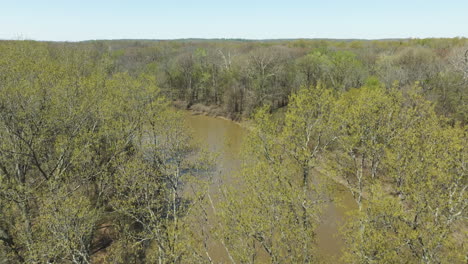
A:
(407, 169)
(347, 71)
(365, 120)
(274, 216)
(315, 67)
(86, 151)
(45, 135)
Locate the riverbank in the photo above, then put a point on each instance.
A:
(207, 110)
(217, 112)
(212, 111)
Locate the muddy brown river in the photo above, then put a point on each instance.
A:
(225, 138)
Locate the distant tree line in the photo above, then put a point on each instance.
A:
(238, 76)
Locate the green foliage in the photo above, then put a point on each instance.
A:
(277, 210)
(405, 168)
(93, 159)
(347, 72)
(315, 67)
(239, 76)
(83, 149)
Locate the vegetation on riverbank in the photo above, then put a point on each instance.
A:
(239, 76)
(389, 146)
(95, 166)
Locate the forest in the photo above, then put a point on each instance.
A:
(98, 165)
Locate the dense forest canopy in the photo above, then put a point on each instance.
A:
(239, 76)
(97, 166)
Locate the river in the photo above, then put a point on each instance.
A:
(225, 138)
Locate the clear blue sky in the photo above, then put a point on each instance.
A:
(252, 19)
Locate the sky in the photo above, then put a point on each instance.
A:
(63, 20)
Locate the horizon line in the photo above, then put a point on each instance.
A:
(234, 39)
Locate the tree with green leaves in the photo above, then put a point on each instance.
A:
(406, 169)
(87, 150)
(274, 215)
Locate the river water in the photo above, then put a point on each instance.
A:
(225, 138)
